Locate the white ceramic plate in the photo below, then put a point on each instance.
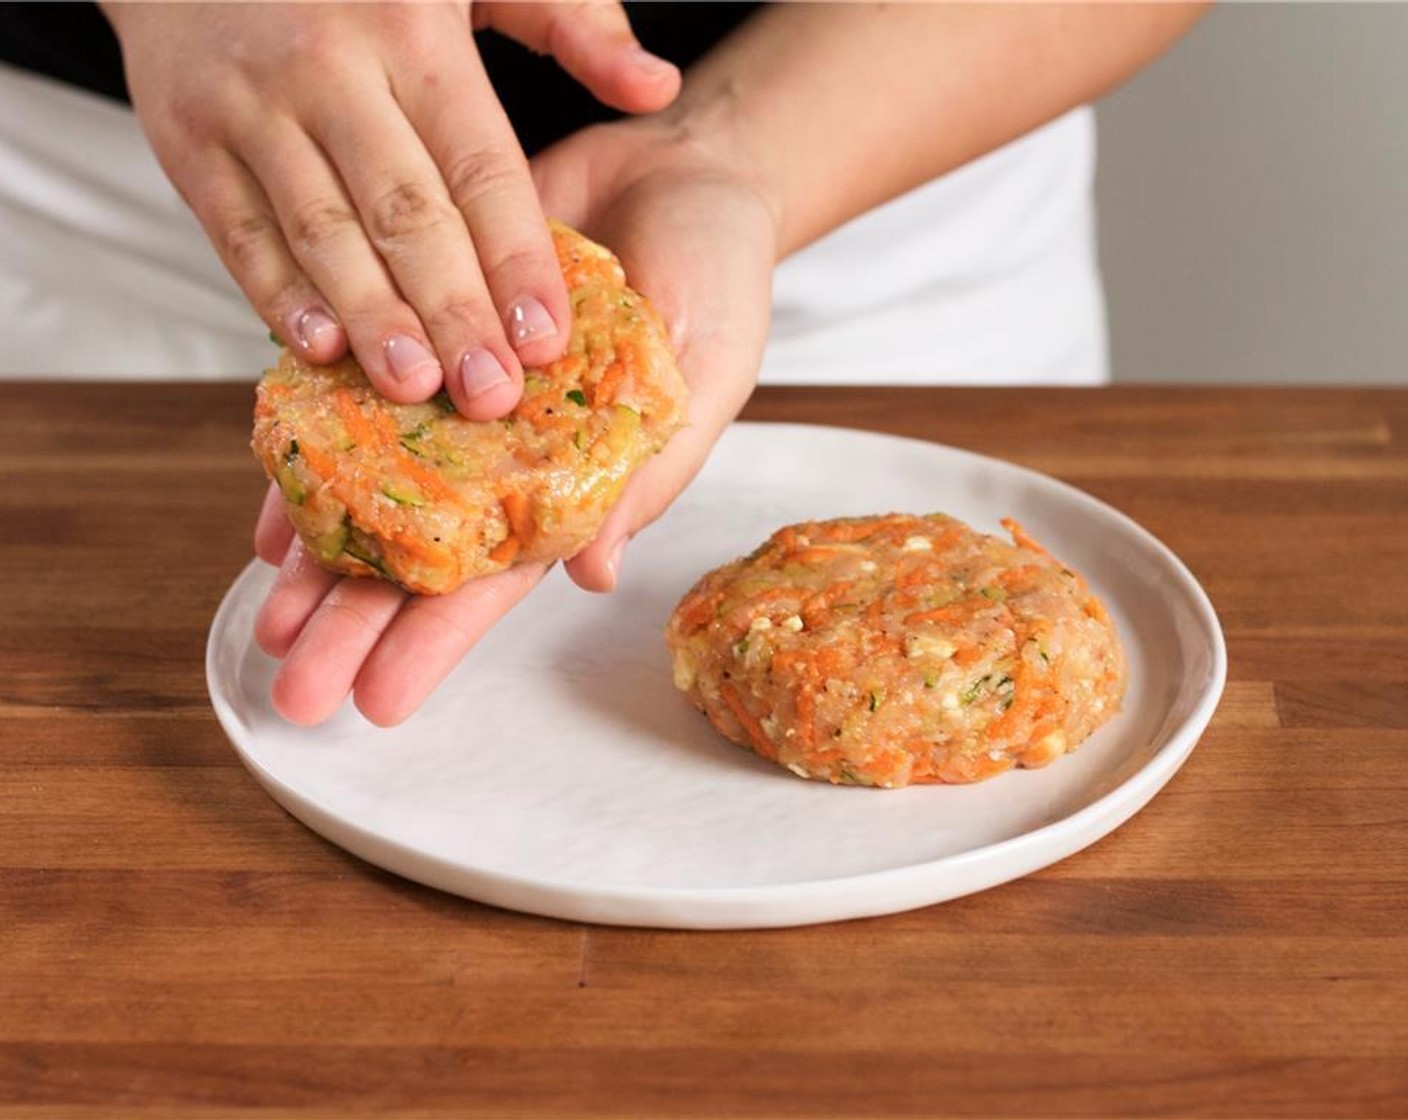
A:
(559, 772)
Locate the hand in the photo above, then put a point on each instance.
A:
(357, 175)
(696, 238)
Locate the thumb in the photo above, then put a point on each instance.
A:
(655, 485)
(594, 43)
(647, 496)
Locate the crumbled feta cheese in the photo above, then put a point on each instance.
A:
(929, 645)
(792, 622)
(917, 544)
(684, 671)
(949, 702)
(1049, 747)
(867, 565)
(995, 754)
(762, 622)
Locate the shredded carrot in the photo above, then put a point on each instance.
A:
(955, 769)
(610, 384)
(381, 433)
(952, 613)
(519, 515)
(580, 272)
(505, 550)
(1024, 701)
(771, 594)
(815, 555)
(967, 655)
(806, 716)
(412, 543)
(820, 600)
(817, 608)
(434, 484)
(324, 465)
(546, 411)
(922, 573)
(569, 367)
(1023, 539)
(845, 532)
(699, 610)
(828, 662)
(1032, 702)
(785, 660)
(534, 408)
(761, 743)
(930, 562)
(355, 420)
(1009, 576)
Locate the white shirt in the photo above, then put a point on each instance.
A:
(986, 276)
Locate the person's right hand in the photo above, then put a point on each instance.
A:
(359, 179)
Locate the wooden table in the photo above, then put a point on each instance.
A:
(172, 944)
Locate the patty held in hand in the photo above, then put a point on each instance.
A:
(419, 495)
(886, 651)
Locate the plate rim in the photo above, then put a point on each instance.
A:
(776, 904)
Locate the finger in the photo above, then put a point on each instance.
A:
(562, 188)
(424, 242)
(649, 493)
(595, 44)
(428, 639)
(272, 531)
(320, 669)
(719, 329)
(322, 228)
(659, 482)
(240, 223)
(298, 589)
(489, 182)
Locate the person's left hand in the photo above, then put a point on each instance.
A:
(698, 238)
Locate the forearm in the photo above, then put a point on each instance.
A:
(836, 108)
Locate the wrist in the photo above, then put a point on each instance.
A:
(710, 132)
(110, 11)
(115, 13)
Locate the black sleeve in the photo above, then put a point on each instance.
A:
(70, 42)
(545, 104)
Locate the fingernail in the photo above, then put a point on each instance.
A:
(529, 320)
(613, 561)
(648, 63)
(312, 328)
(480, 371)
(406, 357)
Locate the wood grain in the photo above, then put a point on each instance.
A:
(173, 945)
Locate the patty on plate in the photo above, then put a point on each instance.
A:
(419, 495)
(886, 651)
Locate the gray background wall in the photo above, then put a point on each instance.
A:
(1253, 198)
